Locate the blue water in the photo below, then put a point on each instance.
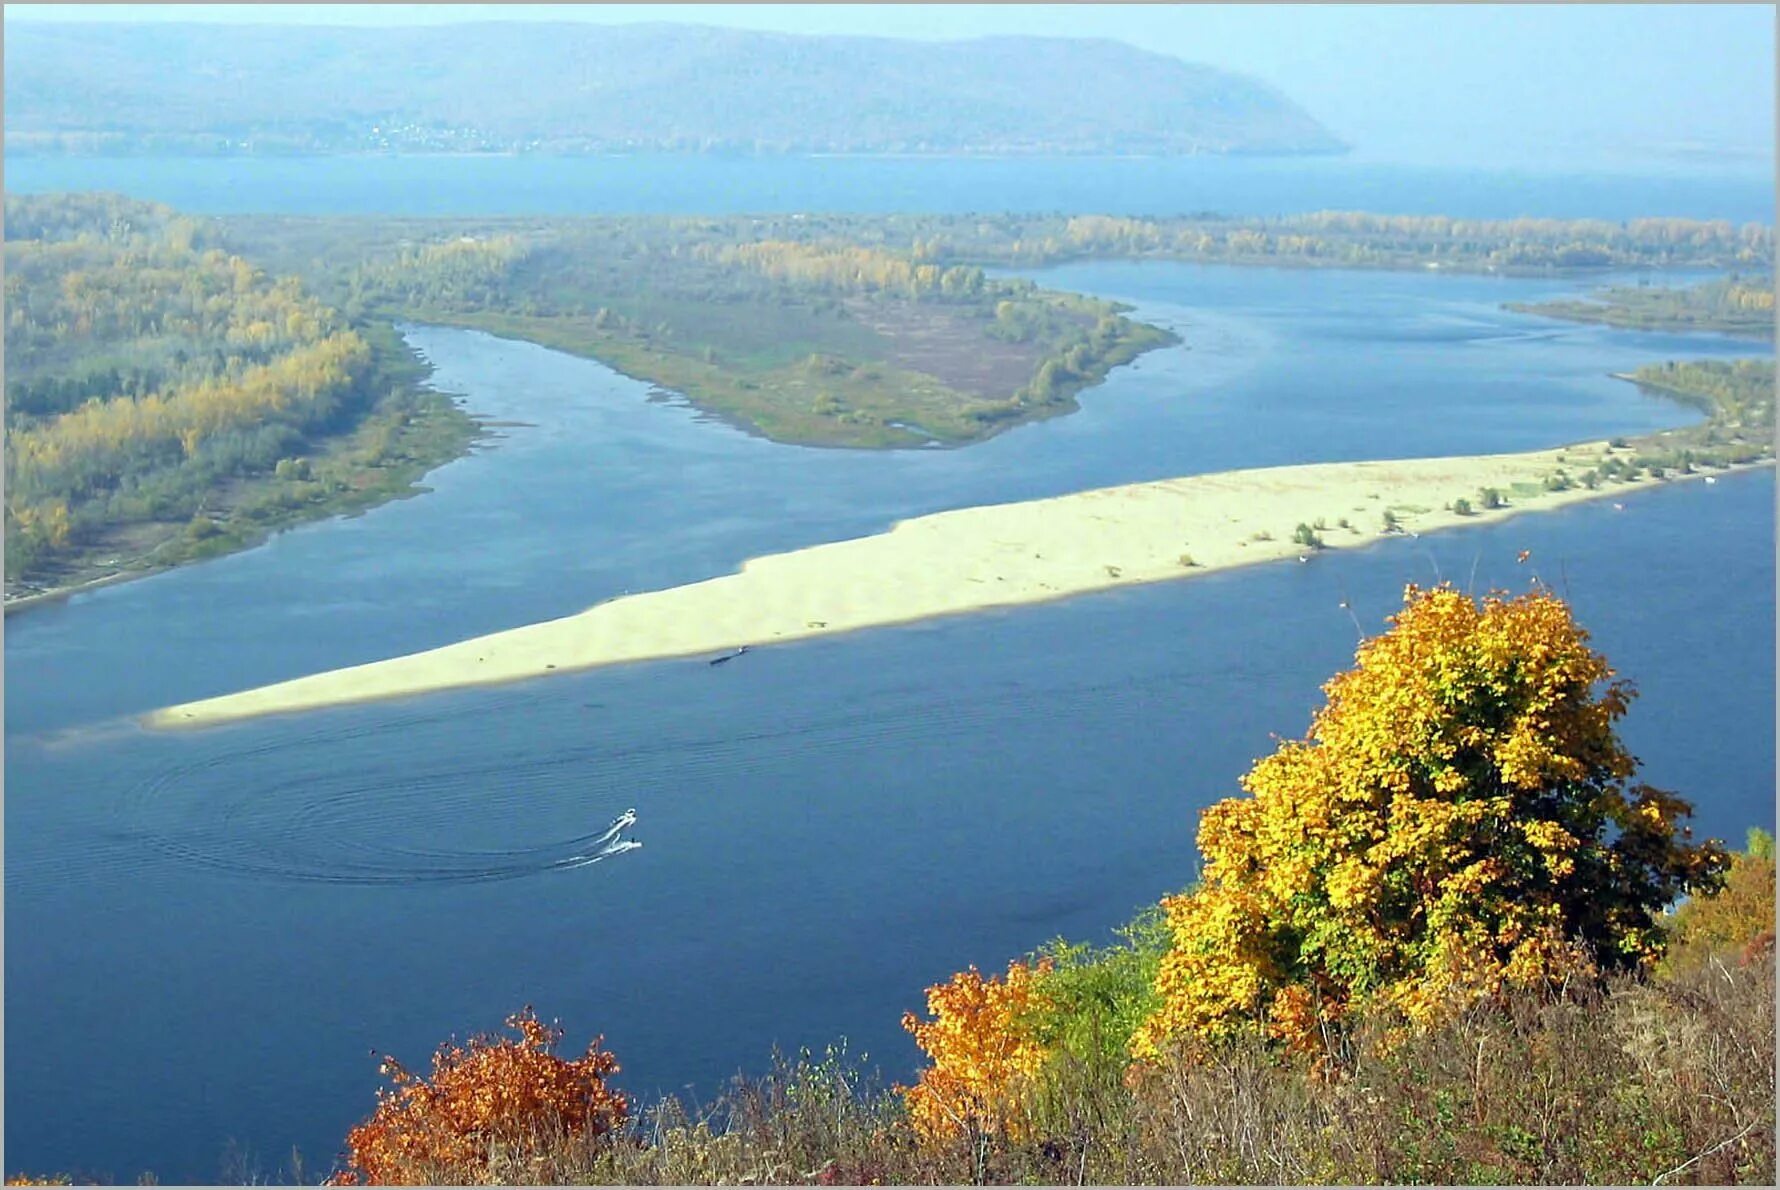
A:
(664, 184)
(194, 958)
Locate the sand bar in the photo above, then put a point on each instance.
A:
(965, 560)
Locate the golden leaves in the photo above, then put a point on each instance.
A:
(1455, 822)
(981, 1056)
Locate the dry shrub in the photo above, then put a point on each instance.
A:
(491, 1105)
(1621, 1081)
(1625, 1082)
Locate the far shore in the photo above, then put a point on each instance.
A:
(967, 560)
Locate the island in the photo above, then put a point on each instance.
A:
(1736, 305)
(975, 559)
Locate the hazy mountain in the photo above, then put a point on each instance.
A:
(581, 87)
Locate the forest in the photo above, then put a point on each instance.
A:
(1738, 304)
(1738, 394)
(165, 397)
(1342, 239)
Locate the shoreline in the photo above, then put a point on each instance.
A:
(963, 561)
(394, 482)
(53, 594)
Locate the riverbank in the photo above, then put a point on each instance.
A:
(974, 559)
(384, 459)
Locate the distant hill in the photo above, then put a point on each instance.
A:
(589, 88)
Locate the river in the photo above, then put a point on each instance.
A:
(208, 932)
(656, 183)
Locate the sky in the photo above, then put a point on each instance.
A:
(1421, 83)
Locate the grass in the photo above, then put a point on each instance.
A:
(790, 402)
(811, 398)
(1630, 1082)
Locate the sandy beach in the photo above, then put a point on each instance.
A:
(965, 560)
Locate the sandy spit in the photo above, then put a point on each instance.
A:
(965, 560)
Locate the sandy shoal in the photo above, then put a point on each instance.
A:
(960, 561)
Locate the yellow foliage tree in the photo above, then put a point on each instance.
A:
(1458, 821)
(982, 1057)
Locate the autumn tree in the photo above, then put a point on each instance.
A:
(492, 1095)
(1459, 821)
(982, 1051)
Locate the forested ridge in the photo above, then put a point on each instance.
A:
(150, 370)
(577, 88)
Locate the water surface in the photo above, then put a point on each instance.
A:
(714, 184)
(196, 950)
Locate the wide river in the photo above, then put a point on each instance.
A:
(657, 183)
(207, 933)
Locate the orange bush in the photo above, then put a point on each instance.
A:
(493, 1093)
(981, 1054)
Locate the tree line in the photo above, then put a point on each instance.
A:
(145, 363)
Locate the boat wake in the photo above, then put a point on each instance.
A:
(317, 809)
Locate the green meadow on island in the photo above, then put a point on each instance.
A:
(1126, 781)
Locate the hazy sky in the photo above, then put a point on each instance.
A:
(1540, 84)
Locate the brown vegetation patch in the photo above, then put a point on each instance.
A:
(949, 345)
